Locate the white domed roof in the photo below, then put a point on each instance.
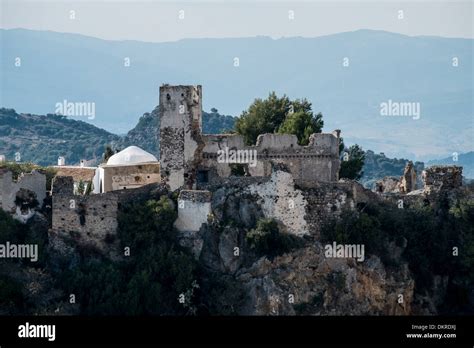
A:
(131, 155)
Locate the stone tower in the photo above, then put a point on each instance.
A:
(180, 134)
(408, 179)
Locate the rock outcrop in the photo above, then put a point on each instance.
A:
(302, 281)
(306, 282)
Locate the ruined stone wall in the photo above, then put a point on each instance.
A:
(280, 200)
(180, 134)
(193, 210)
(442, 186)
(442, 177)
(34, 181)
(90, 220)
(408, 179)
(388, 184)
(188, 157)
(301, 211)
(130, 176)
(318, 161)
(328, 200)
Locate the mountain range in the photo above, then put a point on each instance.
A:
(347, 77)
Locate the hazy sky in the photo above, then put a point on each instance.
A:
(151, 20)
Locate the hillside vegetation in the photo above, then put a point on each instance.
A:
(378, 166)
(41, 139)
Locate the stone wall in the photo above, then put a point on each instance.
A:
(189, 158)
(318, 161)
(439, 182)
(193, 210)
(34, 182)
(300, 211)
(328, 200)
(180, 134)
(442, 177)
(388, 184)
(279, 199)
(91, 220)
(408, 179)
(130, 176)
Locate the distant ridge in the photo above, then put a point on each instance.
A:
(382, 66)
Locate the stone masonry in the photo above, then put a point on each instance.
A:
(408, 179)
(189, 158)
(442, 177)
(90, 220)
(180, 134)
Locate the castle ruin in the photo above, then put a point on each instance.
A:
(190, 159)
(296, 185)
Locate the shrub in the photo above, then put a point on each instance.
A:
(338, 279)
(150, 280)
(430, 238)
(237, 169)
(11, 296)
(266, 239)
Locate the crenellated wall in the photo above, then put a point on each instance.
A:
(442, 177)
(318, 161)
(190, 159)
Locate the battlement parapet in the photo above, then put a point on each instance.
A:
(442, 177)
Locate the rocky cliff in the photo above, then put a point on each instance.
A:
(301, 280)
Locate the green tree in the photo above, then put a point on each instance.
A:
(90, 188)
(352, 163)
(107, 153)
(267, 239)
(428, 238)
(302, 124)
(268, 115)
(81, 188)
(148, 282)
